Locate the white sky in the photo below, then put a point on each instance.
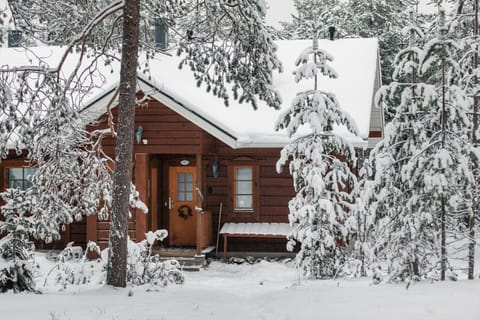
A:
(280, 10)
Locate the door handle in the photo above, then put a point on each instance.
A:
(170, 203)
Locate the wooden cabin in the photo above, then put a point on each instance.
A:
(194, 157)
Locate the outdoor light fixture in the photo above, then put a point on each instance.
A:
(215, 168)
(138, 134)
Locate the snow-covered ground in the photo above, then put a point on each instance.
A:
(266, 290)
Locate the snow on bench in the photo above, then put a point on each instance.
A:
(259, 229)
(253, 230)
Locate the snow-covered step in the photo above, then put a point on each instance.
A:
(194, 263)
(208, 250)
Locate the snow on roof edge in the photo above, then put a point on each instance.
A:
(194, 106)
(181, 107)
(219, 132)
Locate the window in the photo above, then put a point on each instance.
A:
(184, 187)
(20, 177)
(243, 189)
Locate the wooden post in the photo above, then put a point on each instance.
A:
(199, 203)
(92, 233)
(199, 230)
(141, 183)
(65, 236)
(225, 237)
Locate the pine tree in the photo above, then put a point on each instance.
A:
(422, 167)
(316, 16)
(362, 220)
(322, 179)
(16, 250)
(465, 25)
(70, 178)
(444, 166)
(401, 236)
(383, 20)
(224, 43)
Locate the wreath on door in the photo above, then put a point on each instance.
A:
(184, 212)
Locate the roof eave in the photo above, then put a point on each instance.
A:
(197, 119)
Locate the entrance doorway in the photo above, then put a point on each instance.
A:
(181, 205)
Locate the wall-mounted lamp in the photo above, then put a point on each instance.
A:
(138, 134)
(215, 168)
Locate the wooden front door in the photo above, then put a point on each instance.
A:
(182, 199)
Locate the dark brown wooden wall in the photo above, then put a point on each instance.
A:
(76, 232)
(166, 131)
(274, 192)
(170, 135)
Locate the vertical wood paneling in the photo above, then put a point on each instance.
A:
(141, 183)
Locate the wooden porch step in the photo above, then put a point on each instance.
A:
(186, 257)
(208, 250)
(188, 263)
(174, 252)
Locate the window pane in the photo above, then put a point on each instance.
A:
(244, 187)
(181, 196)
(189, 187)
(189, 177)
(18, 184)
(181, 177)
(244, 202)
(181, 187)
(27, 184)
(189, 196)
(28, 172)
(15, 174)
(244, 173)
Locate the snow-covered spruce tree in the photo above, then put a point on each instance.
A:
(16, 250)
(225, 44)
(465, 24)
(362, 218)
(445, 164)
(319, 164)
(402, 236)
(383, 20)
(315, 17)
(423, 176)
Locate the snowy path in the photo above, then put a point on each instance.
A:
(261, 291)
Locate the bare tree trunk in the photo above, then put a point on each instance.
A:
(443, 222)
(117, 265)
(471, 218)
(443, 250)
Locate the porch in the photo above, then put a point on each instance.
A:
(172, 188)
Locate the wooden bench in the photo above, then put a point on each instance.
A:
(253, 230)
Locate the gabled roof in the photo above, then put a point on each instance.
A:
(239, 126)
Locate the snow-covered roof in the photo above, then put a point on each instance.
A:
(239, 126)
